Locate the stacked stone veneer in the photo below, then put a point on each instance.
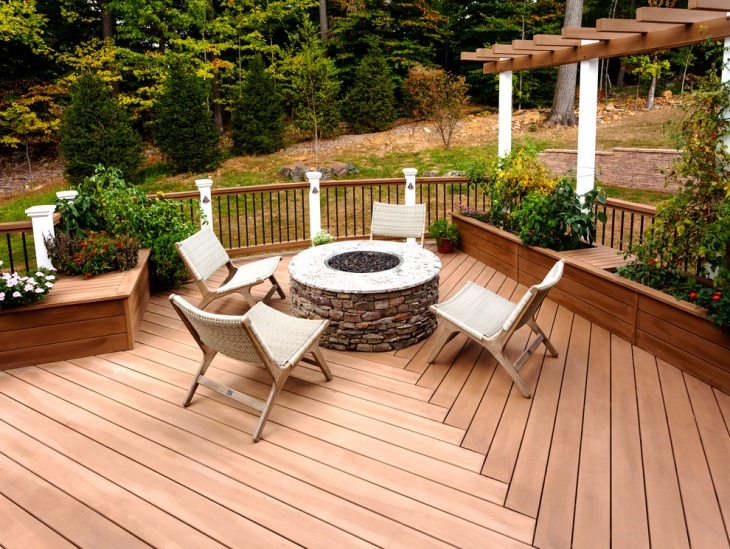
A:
(369, 321)
(633, 168)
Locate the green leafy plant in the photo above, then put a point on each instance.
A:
(17, 290)
(512, 177)
(475, 213)
(561, 220)
(92, 254)
(370, 103)
(322, 237)
(443, 229)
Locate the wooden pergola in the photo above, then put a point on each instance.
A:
(653, 29)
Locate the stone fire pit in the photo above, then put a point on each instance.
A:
(368, 311)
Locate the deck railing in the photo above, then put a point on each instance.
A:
(263, 218)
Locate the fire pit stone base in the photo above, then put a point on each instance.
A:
(369, 322)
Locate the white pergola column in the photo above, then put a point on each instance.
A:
(504, 143)
(42, 219)
(206, 202)
(315, 219)
(585, 169)
(410, 174)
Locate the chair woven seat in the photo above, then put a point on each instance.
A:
(203, 255)
(491, 320)
(263, 337)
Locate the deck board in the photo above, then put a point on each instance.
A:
(615, 449)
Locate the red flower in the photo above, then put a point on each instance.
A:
(693, 295)
(716, 297)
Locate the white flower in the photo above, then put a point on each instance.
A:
(39, 273)
(50, 277)
(49, 285)
(2, 296)
(28, 287)
(39, 290)
(16, 294)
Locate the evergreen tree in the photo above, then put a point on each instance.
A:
(257, 120)
(97, 130)
(370, 103)
(184, 129)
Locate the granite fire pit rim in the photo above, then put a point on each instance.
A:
(417, 267)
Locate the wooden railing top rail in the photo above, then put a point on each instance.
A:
(23, 226)
(631, 207)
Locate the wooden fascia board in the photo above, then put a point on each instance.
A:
(711, 5)
(590, 33)
(673, 15)
(631, 25)
(629, 44)
(509, 50)
(530, 45)
(490, 53)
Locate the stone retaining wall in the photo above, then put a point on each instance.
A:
(633, 168)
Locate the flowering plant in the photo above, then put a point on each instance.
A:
(16, 290)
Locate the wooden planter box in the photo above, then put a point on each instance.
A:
(78, 318)
(675, 331)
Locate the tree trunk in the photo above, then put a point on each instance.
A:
(323, 18)
(107, 34)
(563, 111)
(652, 86)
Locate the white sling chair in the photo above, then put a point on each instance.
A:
(263, 337)
(491, 320)
(203, 255)
(398, 221)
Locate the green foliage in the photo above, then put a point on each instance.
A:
(17, 290)
(313, 84)
(442, 228)
(436, 95)
(322, 237)
(96, 130)
(692, 229)
(93, 253)
(257, 119)
(184, 129)
(21, 22)
(120, 209)
(370, 103)
(511, 178)
(561, 220)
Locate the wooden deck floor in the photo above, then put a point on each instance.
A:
(615, 449)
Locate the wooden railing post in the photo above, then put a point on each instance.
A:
(42, 219)
(206, 204)
(315, 219)
(410, 197)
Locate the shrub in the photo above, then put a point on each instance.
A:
(184, 129)
(438, 96)
(370, 103)
(156, 223)
(441, 228)
(322, 237)
(93, 254)
(96, 129)
(560, 220)
(257, 119)
(17, 290)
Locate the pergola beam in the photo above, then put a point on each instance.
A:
(631, 25)
(589, 33)
(717, 5)
(674, 36)
(664, 15)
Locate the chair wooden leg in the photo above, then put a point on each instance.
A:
(321, 362)
(207, 359)
(442, 338)
(535, 328)
(275, 390)
(246, 293)
(507, 365)
(278, 287)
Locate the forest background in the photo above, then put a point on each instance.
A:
(135, 46)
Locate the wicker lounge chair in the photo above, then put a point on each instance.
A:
(491, 320)
(263, 337)
(203, 255)
(398, 221)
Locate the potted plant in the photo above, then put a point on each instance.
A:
(322, 237)
(445, 233)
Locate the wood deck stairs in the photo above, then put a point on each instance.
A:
(615, 449)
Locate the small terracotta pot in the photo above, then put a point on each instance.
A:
(445, 247)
